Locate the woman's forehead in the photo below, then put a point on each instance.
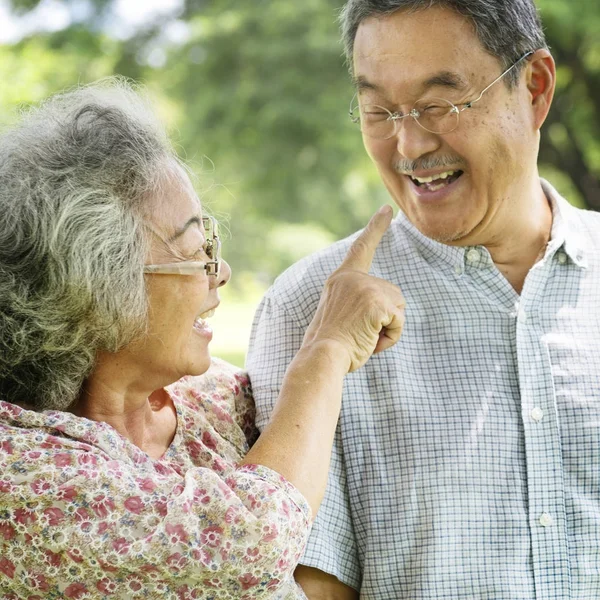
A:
(178, 205)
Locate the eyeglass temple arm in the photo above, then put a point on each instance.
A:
(351, 110)
(181, 268)
(469, 104)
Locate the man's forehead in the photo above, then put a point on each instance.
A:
(409, 34)
(433, 46)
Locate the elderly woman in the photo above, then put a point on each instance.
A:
(125, 467)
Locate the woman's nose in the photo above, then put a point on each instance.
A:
(224, 274)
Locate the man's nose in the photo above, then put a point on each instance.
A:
(412, 141)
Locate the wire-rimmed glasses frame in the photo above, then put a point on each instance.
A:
(439, 115)
(212, 249)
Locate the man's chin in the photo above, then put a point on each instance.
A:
(451, 236)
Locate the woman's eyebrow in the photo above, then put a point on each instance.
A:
(180, 232)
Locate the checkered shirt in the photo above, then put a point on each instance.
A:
(466, 462)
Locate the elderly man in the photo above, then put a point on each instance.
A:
(467, 458)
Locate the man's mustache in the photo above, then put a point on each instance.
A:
(408, 167)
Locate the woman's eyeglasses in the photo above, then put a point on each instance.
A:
(212, 248)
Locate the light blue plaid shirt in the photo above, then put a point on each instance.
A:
(467, 458)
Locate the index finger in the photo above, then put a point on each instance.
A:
(362, 251)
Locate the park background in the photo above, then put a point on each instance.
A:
(255, 94)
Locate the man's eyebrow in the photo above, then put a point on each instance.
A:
(447, 79)
(181, 231)
(360, 83)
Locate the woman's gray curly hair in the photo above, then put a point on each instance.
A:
(78, 176)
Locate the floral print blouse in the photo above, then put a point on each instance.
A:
(86, 514)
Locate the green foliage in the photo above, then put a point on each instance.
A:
(256, 96)
(23, 6)
(40, 66)
(571, 135)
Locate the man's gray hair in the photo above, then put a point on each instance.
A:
(78, 175)
(507, 29)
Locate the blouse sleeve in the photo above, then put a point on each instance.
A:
(245, 411)
(74, 521)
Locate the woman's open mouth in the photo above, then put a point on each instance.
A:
(201, 325)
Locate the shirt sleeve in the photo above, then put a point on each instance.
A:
(83, 523)
(275, 339)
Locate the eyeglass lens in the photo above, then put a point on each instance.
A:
(213, 245)
(435, 115)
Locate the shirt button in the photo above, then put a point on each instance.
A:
(522, 315)
(561, 257)
(546, 520)
(473, 255)
(537, 414)
(458, 269)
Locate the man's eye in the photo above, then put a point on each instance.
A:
(436, 110)
(376, 114)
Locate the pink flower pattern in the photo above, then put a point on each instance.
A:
(86, 514)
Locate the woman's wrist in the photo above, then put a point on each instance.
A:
(328, 356)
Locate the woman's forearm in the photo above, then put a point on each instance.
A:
(357, 315)
(297, 440)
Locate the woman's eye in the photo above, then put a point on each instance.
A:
(208, 249)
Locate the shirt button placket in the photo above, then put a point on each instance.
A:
(473, 255)
(536, 414)
(542, 443)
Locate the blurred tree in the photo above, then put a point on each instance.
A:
(571, 136)
(261, 89)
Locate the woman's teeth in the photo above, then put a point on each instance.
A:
(200, 324)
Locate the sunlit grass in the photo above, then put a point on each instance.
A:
(233, 320)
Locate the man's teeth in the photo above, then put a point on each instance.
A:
(443, 175)
(208, 314)
(435, 187)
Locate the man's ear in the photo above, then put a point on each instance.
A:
(541, 80)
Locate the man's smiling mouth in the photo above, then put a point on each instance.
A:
(436, 182)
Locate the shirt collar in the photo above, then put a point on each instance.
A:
(564, 231)
(433, 252)
(564, 234)
(57, 426)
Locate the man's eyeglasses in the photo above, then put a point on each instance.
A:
(212, 248)
(435, 115)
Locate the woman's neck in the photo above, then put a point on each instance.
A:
(114, 395)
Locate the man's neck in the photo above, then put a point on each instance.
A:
(523, 242)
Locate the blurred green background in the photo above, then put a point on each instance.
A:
(255, 93)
